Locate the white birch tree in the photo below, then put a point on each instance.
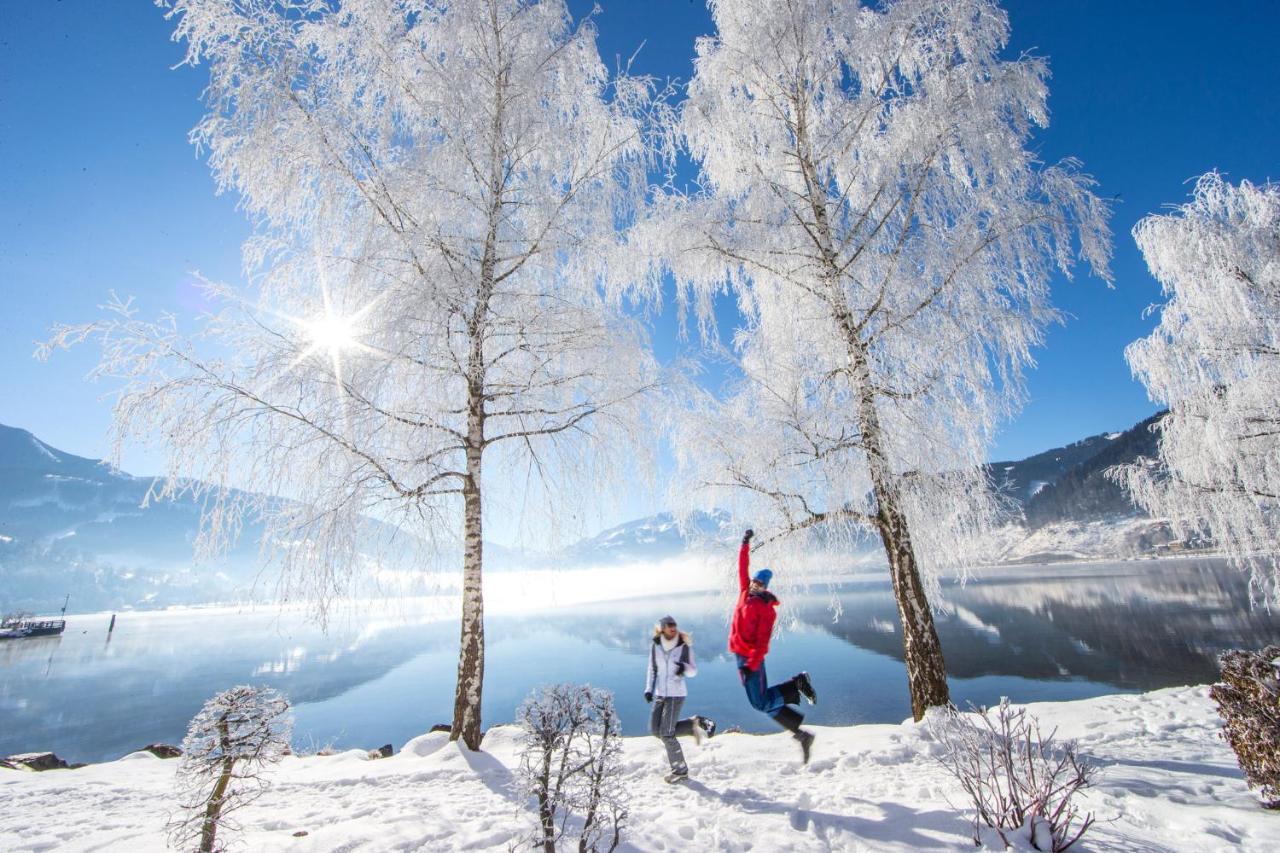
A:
(1214, 360)
(436, 189)
(870, 196)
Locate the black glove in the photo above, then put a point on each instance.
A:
(746, 537)
(648, 696)
(745, 670)
(679, 667)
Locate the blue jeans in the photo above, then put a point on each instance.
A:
(763, 697)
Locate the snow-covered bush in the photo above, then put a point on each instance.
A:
(1018, 779)
(569, 764)
(236, 735)
(1248, 700)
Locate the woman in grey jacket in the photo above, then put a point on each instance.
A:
(670, 662)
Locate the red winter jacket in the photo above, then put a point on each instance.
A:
(753, 616)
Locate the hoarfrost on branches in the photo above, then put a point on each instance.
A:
(234, 738)
(570, 765)
(1248, 700)
(437, 189)
(1017, 778)
(1214, 360)
(870, 198)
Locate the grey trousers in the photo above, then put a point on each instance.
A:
(665, 725)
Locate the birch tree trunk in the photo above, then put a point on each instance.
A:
(470, 686)
(921, 649)
(467, 697)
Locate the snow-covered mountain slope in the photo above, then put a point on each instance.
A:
(1023, 479)
(1084, 492)
(70, 525)
(653, 538)
(1167, 781)
(1066, 484)
(75, 525)
(1120, 538)
(1081, 513)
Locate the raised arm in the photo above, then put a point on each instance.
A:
(744, 561)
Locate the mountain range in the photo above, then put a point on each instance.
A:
(74, 525)
(71, 524)
(1069, 484)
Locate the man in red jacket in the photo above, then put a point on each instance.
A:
(749, 636)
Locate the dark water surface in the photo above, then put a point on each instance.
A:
(1032, 633)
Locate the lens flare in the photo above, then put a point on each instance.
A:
(332, 332)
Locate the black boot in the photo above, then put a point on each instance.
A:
(790, 692)
(806, 743)
(790, 719)
(805, 687)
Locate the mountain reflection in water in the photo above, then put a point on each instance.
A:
(1134, 625)
(1030, 632)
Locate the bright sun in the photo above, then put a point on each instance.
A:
(332, 332)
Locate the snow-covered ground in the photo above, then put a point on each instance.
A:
(1168, 783)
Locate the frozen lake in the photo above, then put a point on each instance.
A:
(1030, 632)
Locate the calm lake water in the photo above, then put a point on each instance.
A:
(1032, 633)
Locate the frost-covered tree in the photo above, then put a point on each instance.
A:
(236, 736)
(870, 197)
(436, 188)
(1214, 360)
(570, 765)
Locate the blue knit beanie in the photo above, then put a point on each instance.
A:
(763, 577)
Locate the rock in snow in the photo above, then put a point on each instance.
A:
(163, 750)
(1168, 782)
(36, 761)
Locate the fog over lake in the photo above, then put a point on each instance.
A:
(382, 674)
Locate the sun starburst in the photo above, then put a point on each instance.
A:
(332, 332)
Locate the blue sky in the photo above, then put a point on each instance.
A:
(99, 188)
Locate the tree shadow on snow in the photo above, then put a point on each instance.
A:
(1192, 768)
(898, 824)
(493, 773)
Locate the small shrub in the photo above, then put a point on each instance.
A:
(1248, 700)
(1017, 779)
(569, 764)
(234, 738)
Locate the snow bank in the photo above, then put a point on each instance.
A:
(1168, 783)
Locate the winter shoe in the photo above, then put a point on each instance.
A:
(806, 743)
(805, 686)
(790, 719)
(680, 775)
(708, 725)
